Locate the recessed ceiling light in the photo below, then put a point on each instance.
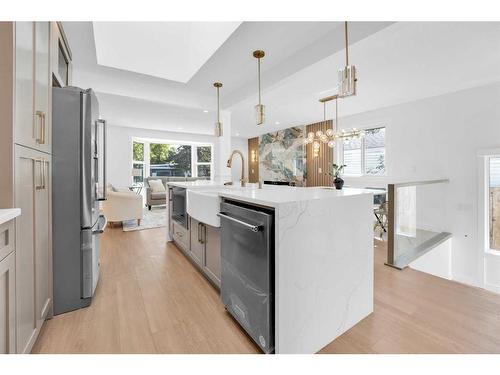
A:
(180, 128)
(237, 134)
(277, 122)
(205, 111)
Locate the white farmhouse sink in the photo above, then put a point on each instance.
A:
(204, 206)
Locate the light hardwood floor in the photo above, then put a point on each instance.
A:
(150, 299)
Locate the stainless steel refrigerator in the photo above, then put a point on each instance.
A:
(79, 183)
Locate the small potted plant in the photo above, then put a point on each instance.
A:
(336, 171)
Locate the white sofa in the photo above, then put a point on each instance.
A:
(122, 205)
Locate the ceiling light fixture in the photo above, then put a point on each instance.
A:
(259, 108)
(205, 111)
(277, 122)
(347, 75)
(331, 135)
(218, 125)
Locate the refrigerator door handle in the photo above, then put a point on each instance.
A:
(101, 228)
(103, 158)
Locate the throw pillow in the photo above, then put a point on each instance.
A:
(156, 186)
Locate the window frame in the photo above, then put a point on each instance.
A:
(197, 163)
(194, 155)
(145, 167)
(363, 154)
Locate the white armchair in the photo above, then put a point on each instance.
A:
(122, 205)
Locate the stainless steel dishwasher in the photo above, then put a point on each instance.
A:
(247, 269)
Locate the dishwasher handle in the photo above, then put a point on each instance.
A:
(253, 228)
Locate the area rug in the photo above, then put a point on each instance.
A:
(156, 218)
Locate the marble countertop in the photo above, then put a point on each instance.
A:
(273, 196)
(7, 214)
(196, 184)
(269, 195)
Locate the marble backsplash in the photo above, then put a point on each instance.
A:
(282, 155)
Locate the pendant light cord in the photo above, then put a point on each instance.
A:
(346, 45)
(336, 116)
(259, 78)
(218, 106)
(324, 111)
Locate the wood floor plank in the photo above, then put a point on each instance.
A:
(151, 299)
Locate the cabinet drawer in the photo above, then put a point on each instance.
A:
(181, 236)
(6, 238)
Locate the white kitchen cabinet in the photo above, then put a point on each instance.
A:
(33, 243)
(211, 259)
(205, 249)
(24, 129)
(42, 85)
(32, 85)
(8, 303)
(197, 245)
(43, 255)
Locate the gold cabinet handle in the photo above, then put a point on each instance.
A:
(40, 130)
(43, 134)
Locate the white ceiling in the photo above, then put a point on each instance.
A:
(169, 50)
(404, 62)
(396, 63)
(139, 113)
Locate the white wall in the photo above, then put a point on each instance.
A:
(119, 163)
(435, 138)
(242, 145)
(437, 262)
(119, 153)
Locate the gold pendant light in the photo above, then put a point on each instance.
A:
(347, 75)
(260, 115)
(218, 125)
(331, 135)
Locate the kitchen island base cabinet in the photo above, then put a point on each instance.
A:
(205, 249)
(197, 242)
(211, 259)
(8, 303)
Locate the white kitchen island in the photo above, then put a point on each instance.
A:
(323, 260)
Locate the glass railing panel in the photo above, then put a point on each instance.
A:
(416, 219)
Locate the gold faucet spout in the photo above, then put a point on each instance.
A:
(230, 163)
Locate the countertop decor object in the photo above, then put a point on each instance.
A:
(336, 171)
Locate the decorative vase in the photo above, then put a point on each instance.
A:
(338, 182)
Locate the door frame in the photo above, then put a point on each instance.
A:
(485, 253)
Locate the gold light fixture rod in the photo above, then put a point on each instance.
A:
(328, 98)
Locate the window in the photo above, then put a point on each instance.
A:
(169, 160)
(352, 156)
(156, 158)
(365, 156)
(494, 202)
(137, 162)
(204, 161)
